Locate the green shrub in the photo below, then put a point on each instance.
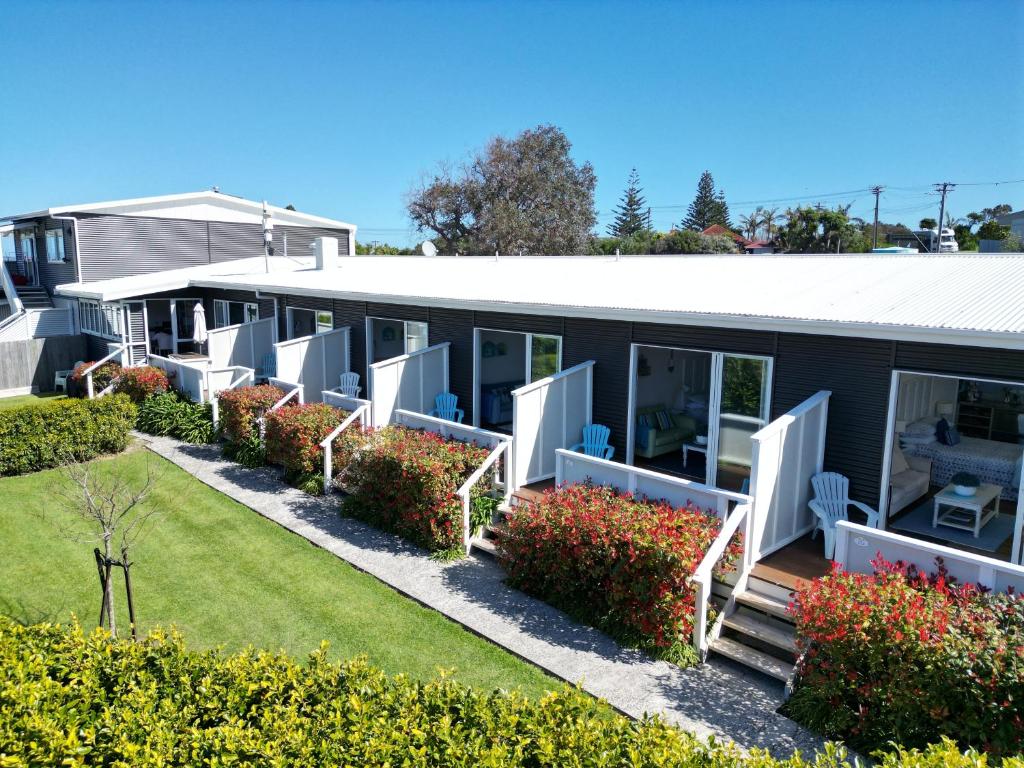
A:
(75, 699)
(293, 434)
(406, 481)
(172, 415)
(39, 436)
(616, 562)
(101, 377)
(141, 382)
(907, 657)
(249, 452)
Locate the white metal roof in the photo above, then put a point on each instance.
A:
(206, 205)
(974, 299)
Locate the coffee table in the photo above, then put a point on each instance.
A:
(687, 447)
(968, 513)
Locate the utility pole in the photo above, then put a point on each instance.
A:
(876, 191)
(942, 189)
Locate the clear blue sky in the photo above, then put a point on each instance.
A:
(338, 108)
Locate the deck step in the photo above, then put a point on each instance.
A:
(772, 634)
(480, 544)
(762, 662)
(764, 603)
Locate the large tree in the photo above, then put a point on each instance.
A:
(820, 230)
(631, 214)
(708, 206)
(523, 194)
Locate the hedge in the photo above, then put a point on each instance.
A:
(241, 407)
(614, 561)
(906, 656)
(74, 699)
(406, 481)
(293, 434)
(46, 435)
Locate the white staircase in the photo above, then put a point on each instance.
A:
(34, 297)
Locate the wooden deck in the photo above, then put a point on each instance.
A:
(801, 561)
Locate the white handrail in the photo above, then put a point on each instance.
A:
(553, 377)
(465, 491)
(248, 375)
(362, 412)
(742, 514)
(10, 291)
(783, 422)
(296, 393)
(88, 371)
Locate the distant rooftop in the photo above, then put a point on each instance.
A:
(973, 299)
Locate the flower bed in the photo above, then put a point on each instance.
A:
(240, 409)
(141, 382)
(293, 434)
(406, 481)
(905, 656)
(619, 563)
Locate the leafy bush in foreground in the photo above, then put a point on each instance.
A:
(172, 415)
(905, 656)
(44, 435)
(141, 382)
(101, 377)
(75, 699)
(614, 561)
(240, 408)
(293, 434)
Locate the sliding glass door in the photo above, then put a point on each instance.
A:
(742, 411)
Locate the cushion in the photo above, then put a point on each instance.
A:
(644, 419)
(906, 439)
(946, 434)
(922, 427)
(664, 420)
(952, 436)
(899, 461)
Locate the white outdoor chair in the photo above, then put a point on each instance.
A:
(60, 379)
(350, 384)
(830, 503)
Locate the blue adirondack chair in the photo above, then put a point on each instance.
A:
(445, 407)
(350, 384)
(268, 366)
(595, 442)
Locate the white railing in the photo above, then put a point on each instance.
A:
(788, 452)
(235, 376)
(314, 362)
(466, 434)
(346, 403)
(572, 468)
(360, 414)
(547, 415)
(88, 371)
(741, 518)
(9, 290)
(465, 491)
(241, 345)
(857, 545)
(409, 382)
(295, 393)
(15, 327)
(186, 376)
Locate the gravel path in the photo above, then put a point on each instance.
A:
(718, 698)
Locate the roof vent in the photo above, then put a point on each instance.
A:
(326, 251)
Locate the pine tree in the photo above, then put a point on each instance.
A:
(631, 214)
(708, 207)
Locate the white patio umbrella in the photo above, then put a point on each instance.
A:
(199, 334)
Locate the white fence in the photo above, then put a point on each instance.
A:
(857, 545)
(572, 468)
(293, 389)
(242, 345)
(185, 376)
(408, 382)
(314, 363)
(787, 454)
(346, 403)
(38, 324)
(547, 415)
(445, 428)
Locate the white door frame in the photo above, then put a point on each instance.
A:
(1016, 552)
(405, 336)
(527, 362)
(714, 398)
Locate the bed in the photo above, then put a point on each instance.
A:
(992, 461)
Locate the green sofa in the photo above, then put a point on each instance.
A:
(654, 440)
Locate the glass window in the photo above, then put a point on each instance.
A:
(28, 246)
(307, 322)
(415, 336)
(545, 356)
(55, 245)
(227, 313)
(324, 322)
(100, 319)
(7, 244)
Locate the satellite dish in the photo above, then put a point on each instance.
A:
(428, 248)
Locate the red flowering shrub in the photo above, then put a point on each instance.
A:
(241, 407)
(614, 561)
(909, 657)
(101, 377)
(142, 382)
(293, 434)
(406, 481)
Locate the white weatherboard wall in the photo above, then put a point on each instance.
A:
(787, 454)
(857, 545)
(315, 363)
(547, 415)
(243, 345)
(408, 382)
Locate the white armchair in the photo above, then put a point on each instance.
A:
(830, 503)
(60, 378)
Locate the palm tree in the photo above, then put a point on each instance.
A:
(749, 224)
(770, 218)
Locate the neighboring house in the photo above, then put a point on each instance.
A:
(745, 245)
(99, 241)
(1015, 221)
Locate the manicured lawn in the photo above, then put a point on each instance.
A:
(226, 576)
(19, 400)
